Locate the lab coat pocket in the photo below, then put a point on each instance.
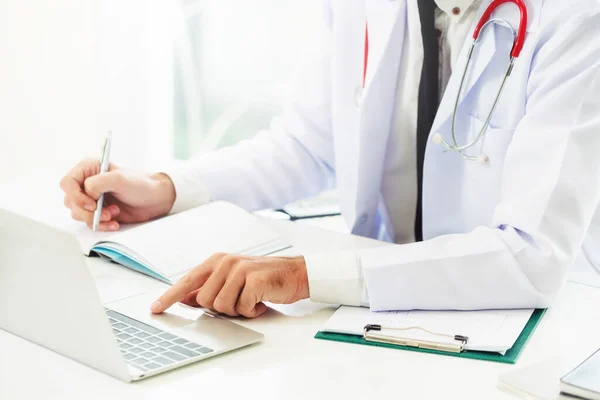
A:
(482, 182)
(493, 142)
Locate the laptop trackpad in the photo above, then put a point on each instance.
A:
(190, 323)
(138, 307)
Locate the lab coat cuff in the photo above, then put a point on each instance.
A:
(189, 193)
(335, 278)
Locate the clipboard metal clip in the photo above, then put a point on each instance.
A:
(370, 335)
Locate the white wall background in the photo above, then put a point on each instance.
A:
(72, 69)
(236, 60)
(49, 94)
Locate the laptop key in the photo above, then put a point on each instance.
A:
(126, 346)
(167, 336)
(135, 341)
(204, 350)
(142, 335)
(158, 349)
(153, 339)
(146, 346)
(123, 336)
(140, 361)
(164, 344)
(180, 341)
(135, 323)
(131, 330)
(119, 325)
(173, 356)
(152, 366)
(112, 321)
(192, 346)
(147, 354)
(184, 351)
(129, 356)
(162, 360)
(136, 350)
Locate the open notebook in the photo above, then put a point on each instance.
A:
(167, 248)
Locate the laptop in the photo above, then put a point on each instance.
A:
(49, 297)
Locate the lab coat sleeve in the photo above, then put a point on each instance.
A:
(291, 160)
(550, 190)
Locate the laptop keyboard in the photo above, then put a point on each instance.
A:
(148, 348)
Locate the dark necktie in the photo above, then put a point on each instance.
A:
(428, 98)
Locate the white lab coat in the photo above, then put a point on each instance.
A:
(500, 235)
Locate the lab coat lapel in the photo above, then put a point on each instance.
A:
(381, 17)
(386, 20)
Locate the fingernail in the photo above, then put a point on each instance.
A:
(156, 306)
(90, 207)
(113, 227)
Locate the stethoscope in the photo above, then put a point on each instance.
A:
(518, 41)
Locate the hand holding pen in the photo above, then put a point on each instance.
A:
(105, 196)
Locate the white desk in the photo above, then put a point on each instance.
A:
(290, 364)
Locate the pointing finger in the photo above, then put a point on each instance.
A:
(190, 282)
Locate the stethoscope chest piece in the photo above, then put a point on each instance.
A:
(480, 159)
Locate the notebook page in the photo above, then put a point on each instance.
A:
(85, 236)
(488, 330)
(175, 244)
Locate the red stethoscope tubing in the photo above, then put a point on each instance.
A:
(519, 42)
(520, 39)
(366, 56)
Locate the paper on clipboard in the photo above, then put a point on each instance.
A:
(487, 330)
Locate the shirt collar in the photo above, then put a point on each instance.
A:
(455, 9)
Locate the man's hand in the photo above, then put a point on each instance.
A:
(129, 197)
(238, 285)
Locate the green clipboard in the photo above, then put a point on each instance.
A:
(510, 357)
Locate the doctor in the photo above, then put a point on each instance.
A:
(494, 225)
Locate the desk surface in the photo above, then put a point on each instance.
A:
(290, 364)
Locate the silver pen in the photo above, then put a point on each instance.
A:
(104, 163)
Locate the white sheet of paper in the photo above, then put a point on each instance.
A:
(487, 330)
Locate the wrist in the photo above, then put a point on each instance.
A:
(164, 190)
(302, 291)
